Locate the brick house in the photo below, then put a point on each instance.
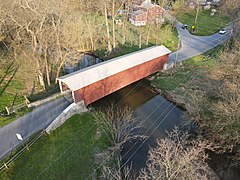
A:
(146, 12)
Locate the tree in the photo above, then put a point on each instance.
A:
(213, 101)
(109, 46)
(119, 125)
(231, 8)
(178, 157)
(115, 171)
(45, 34)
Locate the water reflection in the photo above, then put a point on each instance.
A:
(156, 114)
(80, 62)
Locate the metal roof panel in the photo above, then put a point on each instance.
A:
(97, 72)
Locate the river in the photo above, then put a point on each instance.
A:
(157, 115)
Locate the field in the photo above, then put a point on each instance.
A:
(206, 24)
(65, 154)
(193, 68)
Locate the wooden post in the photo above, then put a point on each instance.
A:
(27, 100)
(8, 112)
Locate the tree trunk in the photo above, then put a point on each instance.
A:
(123, 32)
(113, 24)
(46, 67)
(148, 34)
(59, 69)
(131, 37)
(39, 72)
(108, 33)
(195, 22)
(140, 39)
(90, 35)
(40, 75)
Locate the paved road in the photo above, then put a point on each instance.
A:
(192, 45)
(29, 124)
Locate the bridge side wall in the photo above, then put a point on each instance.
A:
(115, 82)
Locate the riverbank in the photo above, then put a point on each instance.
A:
(205, 86)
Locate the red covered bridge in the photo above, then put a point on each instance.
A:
(93, 83)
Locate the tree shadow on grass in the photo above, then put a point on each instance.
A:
(9, 81)
(8, 71)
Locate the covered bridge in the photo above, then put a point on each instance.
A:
(93, 83)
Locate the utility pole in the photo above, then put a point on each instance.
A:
(176, 59)
(195, 22)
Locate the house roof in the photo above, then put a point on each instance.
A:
(92, 74)
(147, 4)
(135, 13)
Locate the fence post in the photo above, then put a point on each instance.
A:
(8, 112)
(26, 100)
(5, 165)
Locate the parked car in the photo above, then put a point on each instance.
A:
(222, 31)
(184, 26)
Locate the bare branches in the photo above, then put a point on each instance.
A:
(116, 172)
(214, 102)
(177, 157)
(119, 125)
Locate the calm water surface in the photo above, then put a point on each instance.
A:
(157, 116)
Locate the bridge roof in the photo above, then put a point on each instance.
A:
(97, 72)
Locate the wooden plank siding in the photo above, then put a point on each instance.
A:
(104, 87)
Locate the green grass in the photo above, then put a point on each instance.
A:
(11, 91)
(206, 24)
(165, 35)
(169, 81)
(9, 88)
(192, 68)
(7, 119)
(65, 154)
(50, 90)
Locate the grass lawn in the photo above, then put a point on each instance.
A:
(11, 90)
(164, 35)
(194, 67)
(206, 24)
(65, 154)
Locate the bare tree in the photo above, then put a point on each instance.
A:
(177, 157)
(119, 125)
(107, 27)
(115, 171)
(113, 24)
(213, 101)
(231, 8)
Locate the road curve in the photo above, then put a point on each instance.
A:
(192, 45)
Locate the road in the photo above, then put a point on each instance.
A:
(192, 45)
(29, 124)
